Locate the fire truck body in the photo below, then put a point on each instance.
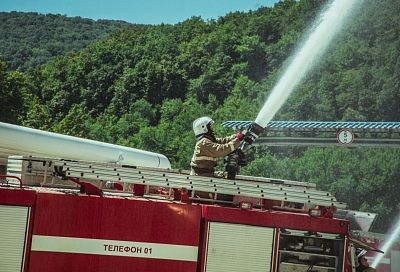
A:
(87, 228)
(73, 232)
(69, 231)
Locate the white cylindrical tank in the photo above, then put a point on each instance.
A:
(18, 140)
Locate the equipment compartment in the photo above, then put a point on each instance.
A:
(309, 251)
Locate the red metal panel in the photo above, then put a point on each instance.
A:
(116, 219)
(276, 219)
(29, 239)
(346, 257)
(275, 251)
(17, 197)
(203, 245)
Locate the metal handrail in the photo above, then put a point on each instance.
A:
(14, 177)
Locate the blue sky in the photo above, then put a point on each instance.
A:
(134, 11)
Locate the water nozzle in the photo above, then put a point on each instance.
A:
(238, 158)
(251, 135)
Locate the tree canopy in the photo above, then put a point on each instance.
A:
(29, 39)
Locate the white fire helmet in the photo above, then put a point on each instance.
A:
(200, 125)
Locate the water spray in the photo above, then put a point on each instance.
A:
(326, 27)
(388, 244)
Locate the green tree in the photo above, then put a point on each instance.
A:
(37, 116)
(28, 39)
(253, 52)
(75, 123)
(13, 87)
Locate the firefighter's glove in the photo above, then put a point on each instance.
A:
(239, 136)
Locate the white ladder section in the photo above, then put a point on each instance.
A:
(175, 180)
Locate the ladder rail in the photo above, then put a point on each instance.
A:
(140, 174)
(277, 181)
(152, 177)
(135, 173)
(180, 172)
(272, 195)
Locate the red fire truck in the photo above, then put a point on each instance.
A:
(156, 223)
(55, 228)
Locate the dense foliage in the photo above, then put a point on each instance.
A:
(31, 39)
(143, 87)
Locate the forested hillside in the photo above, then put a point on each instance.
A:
(31, 39)
(143, 87)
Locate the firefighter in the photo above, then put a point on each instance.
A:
(363, 265)
(208, 148)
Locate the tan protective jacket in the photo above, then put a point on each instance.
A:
(206, 152)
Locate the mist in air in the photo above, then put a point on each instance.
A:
(393, 236)
(325, 28)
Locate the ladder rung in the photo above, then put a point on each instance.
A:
(273, 195)
(135, 173)
(145, 176)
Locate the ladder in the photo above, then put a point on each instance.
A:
(258, 188)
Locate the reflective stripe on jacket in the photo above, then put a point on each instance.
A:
(207, 151)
